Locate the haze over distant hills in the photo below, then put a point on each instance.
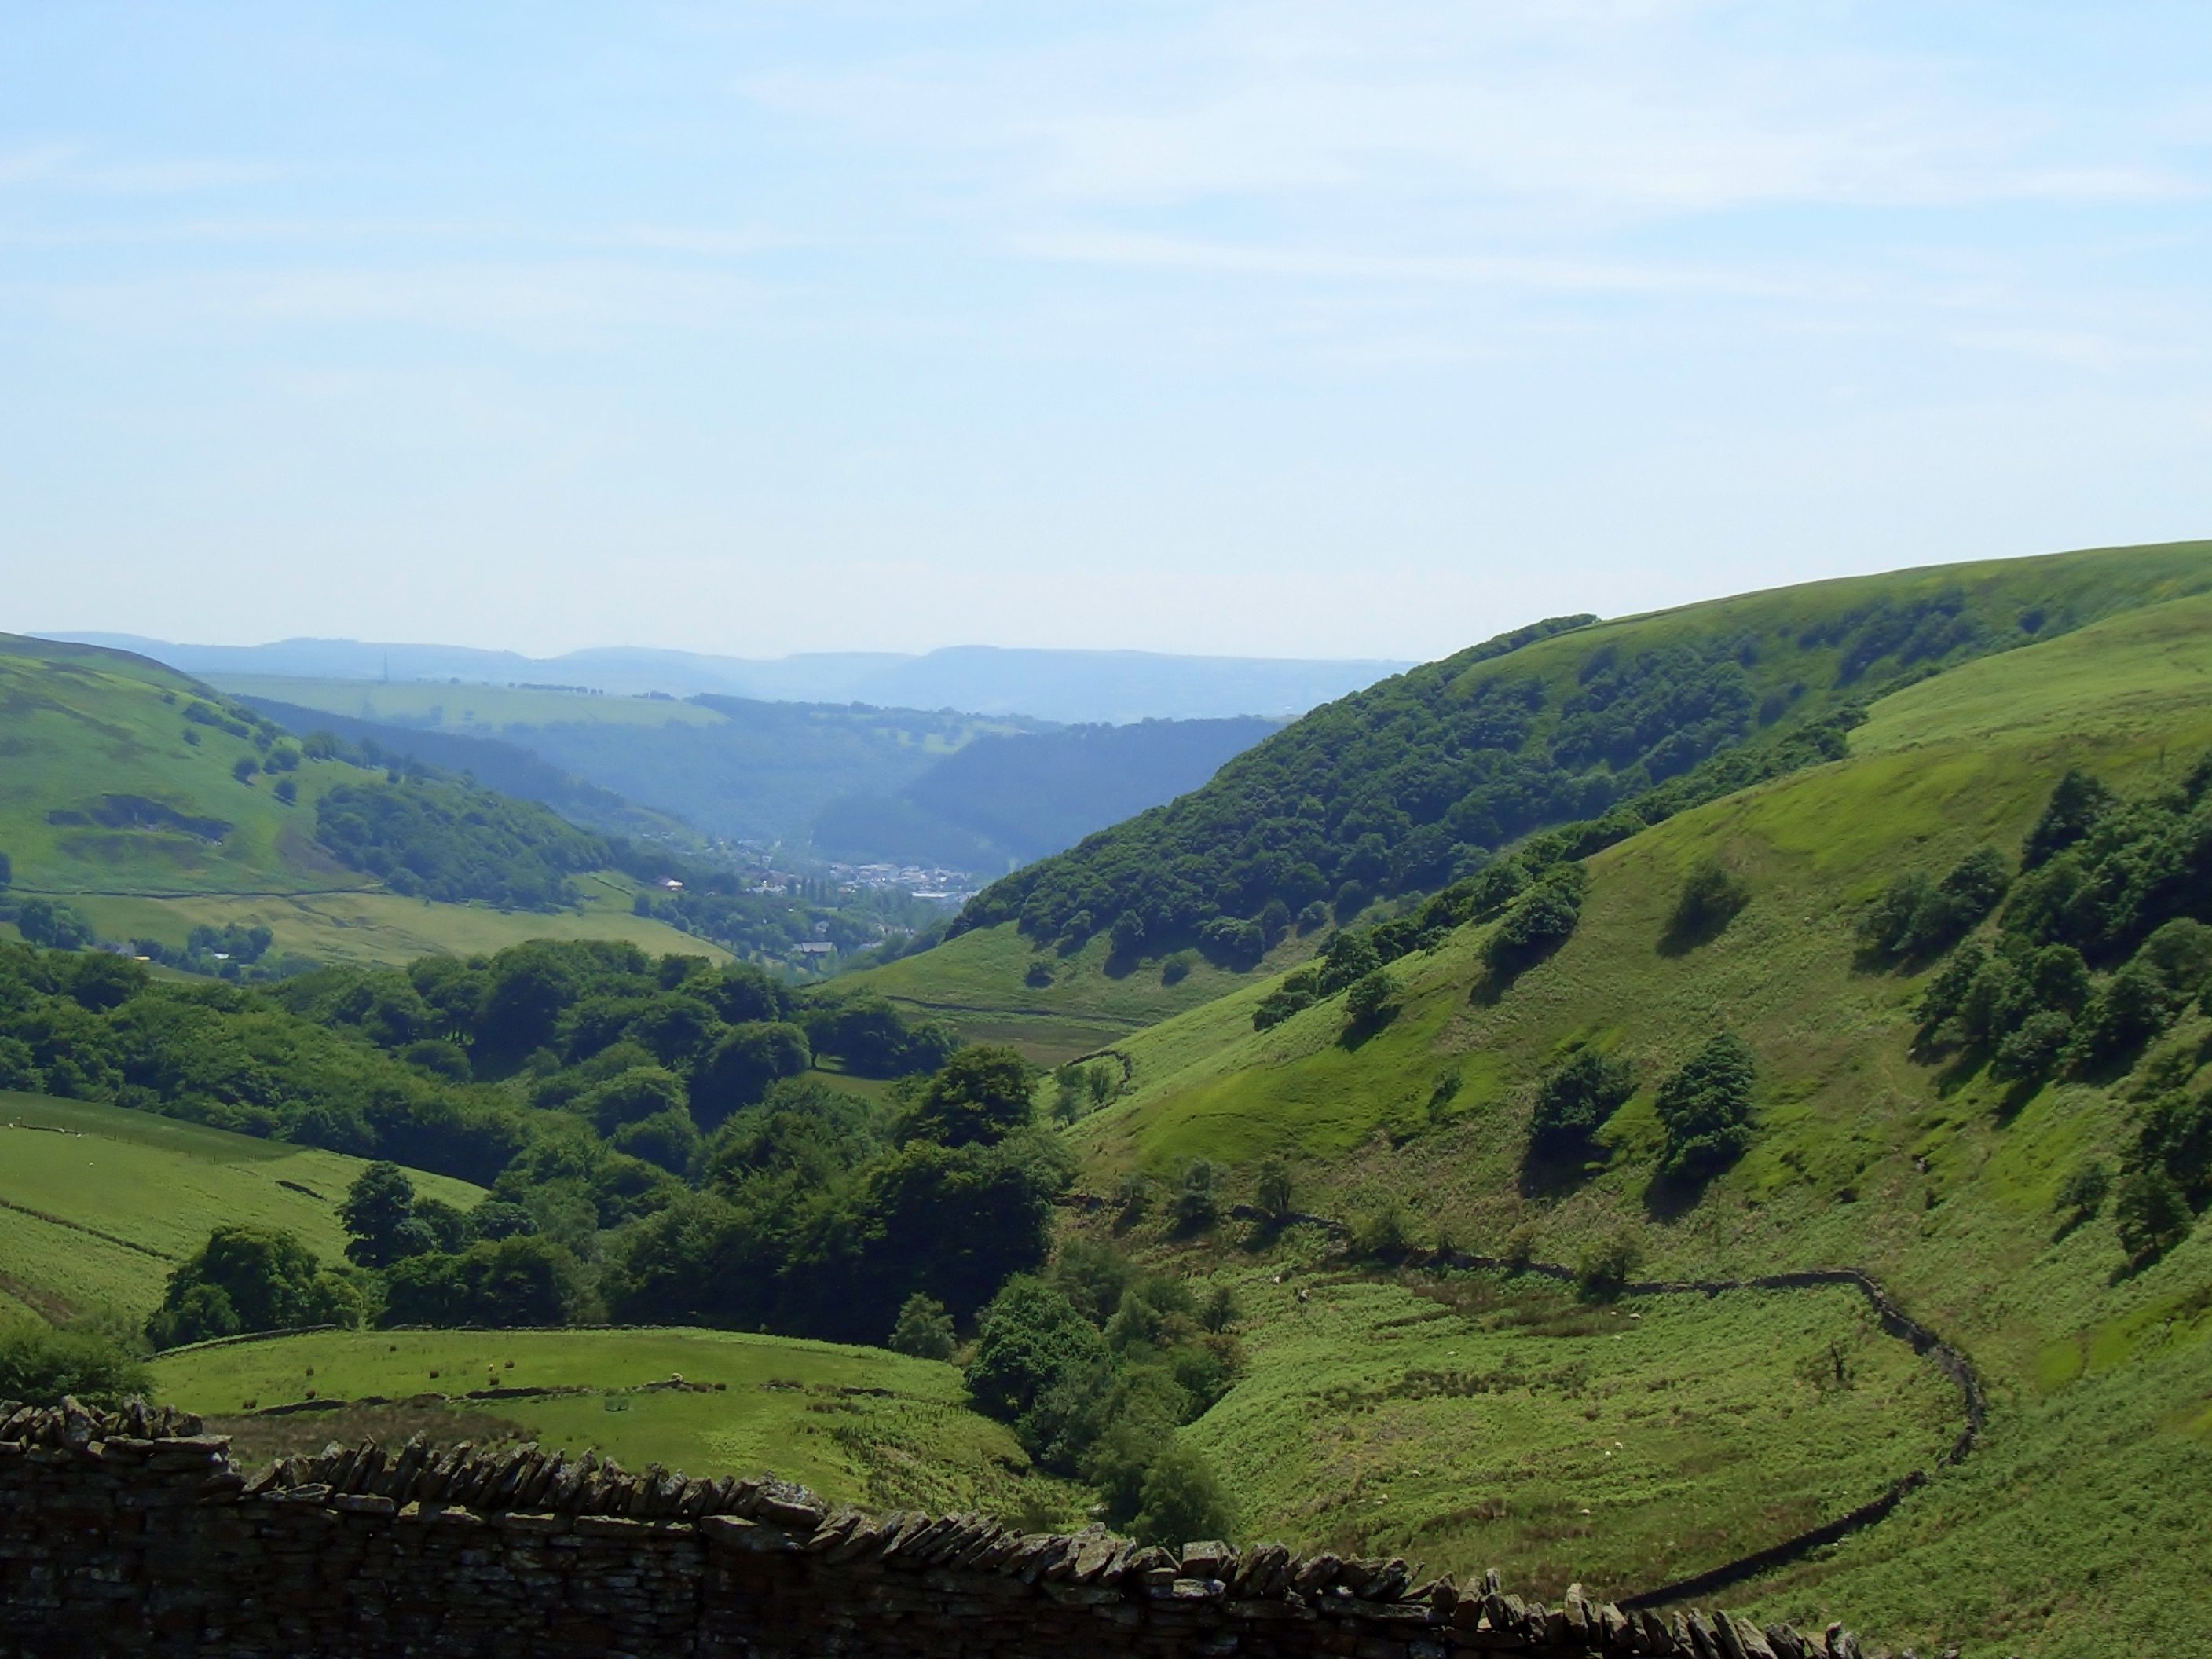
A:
(1079, 687)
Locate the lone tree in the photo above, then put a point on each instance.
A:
(1274, 1192)
(1575, 1100)
(1370, 1001)
(1705, 1108)
(924, 1329)
(378, 1212)
(1710, 896)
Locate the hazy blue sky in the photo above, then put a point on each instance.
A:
(1280, 328)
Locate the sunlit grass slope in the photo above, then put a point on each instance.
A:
(98, 1203)
(112, 800)
(2067, 1531)
(857, 1425)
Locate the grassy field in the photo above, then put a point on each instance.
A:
(387, 928)
(1477, 1422)
(857, 1425)
(979, 983)
(99, 1203)
(2065, 1531)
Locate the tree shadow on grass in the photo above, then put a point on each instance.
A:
(1554, 1172)
(1502, 970)
(1357, 1033)
(1686, 933)
(1669, 1196)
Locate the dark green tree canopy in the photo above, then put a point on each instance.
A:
(378, 1212)
(248, 1278)
(981, 1095)
(1705, 1108)
(1574, 1102)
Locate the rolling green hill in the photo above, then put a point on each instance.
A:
(1874, 1140)
(1399, 789)
(153, 804)
(98, 1203)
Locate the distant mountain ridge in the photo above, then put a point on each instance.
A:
(1077, 687)
(1003, 800)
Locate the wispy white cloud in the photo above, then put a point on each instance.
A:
(552, 304)
(73, 168)
(1509, 271)
(1607, 108)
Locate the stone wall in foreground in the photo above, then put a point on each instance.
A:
(133, 1533)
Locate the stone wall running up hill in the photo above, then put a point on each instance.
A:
(134, 1532)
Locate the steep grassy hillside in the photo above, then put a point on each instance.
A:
(98, 1203)
(857, 1425)
(1868, 1145)
(1399, 788)
(151, 803)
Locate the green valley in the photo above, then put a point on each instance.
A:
(1481, 1200)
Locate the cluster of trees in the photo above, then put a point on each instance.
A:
(818, 1213)
(1403, 786)
(450, 841)
(1096, 1363)
(608, 1065)
(2102, 941)
(57, 925)
(232, 952)
(93, 1026)
(251, 1279)
(1704, 1107)
(1909, 633)
(810, 1211)
(1916, 918)
(40, 1366)
(1540, 913)
(2101, 944)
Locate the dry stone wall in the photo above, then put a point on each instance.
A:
(134, 1532)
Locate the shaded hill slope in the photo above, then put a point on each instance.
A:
(1967, 1184)
(508, 768)
(746, 769)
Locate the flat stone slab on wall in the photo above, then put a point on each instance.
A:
(133, 1533)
